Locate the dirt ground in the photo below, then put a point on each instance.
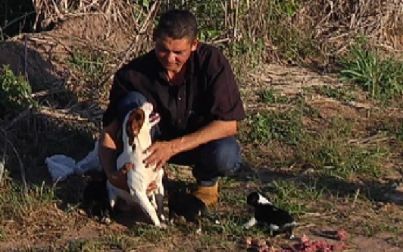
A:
(58, 224)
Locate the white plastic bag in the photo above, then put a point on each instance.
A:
(90, 162)
(60, 166)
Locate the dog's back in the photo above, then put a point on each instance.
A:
(186, 205)
(278, 220)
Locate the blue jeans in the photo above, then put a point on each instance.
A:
(209, 161)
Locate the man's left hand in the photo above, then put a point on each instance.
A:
(159, 153)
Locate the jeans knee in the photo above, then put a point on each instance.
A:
(227, 157)
(131, 100)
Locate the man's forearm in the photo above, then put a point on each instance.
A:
(213, 131)
(107, 149)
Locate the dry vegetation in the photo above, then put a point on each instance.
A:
(327, 150)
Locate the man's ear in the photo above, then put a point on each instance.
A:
(194, 44)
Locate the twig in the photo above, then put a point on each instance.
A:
(133, 45)
(20, 116)
(357, 192)
(21, 164)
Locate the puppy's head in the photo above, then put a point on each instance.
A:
(134, 124)
(255, 199)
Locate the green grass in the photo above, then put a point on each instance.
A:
(90, 68)
(331, 153)
(15, 204)
(148, 232)
(382, 78)
(342, 93)
(83, 245)
(269, 125)
(271, 96)
(294, 196)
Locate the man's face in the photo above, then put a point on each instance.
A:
(174, 53)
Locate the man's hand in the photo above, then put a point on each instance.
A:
(119, 178)
(159, 153)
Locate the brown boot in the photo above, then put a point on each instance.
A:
(207, 194)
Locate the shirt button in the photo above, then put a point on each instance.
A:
(179, 98)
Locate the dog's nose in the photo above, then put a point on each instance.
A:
(154, 116)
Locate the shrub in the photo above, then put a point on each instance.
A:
(15, 93)
(382, 78)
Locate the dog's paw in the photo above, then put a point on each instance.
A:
(106, 220)
(162, 217)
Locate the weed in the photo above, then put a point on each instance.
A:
(382, 78)
(393, 126)
(122, 242)
(283, 126)
(271, 96)
(15, 204)
(92, 64)
(15, 92)
(82, 245)
(2, 235)
(292, 196)
(339, 93)
(148, 232)
(330, 152)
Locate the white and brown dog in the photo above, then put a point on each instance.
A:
(136, 136)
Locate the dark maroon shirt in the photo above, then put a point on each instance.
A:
(208, 92)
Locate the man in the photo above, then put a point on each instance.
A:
(193, 88)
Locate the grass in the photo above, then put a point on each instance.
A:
(341, 93)
(268, 125)
(331, 153)
(90, 68)
(294, 196)
(271, 96)
(382, 78)
(15, 204)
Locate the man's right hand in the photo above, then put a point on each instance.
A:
(119, 178)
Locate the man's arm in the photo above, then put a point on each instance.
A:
(107, 156)
(161, 152)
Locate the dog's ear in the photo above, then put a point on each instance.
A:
(134, 124)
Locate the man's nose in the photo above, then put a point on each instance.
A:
(171, 58)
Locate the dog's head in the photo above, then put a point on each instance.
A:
(255, 199)
(138, 120)
(134, 124)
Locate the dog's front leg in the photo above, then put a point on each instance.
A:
(146, 205)
(112, 194)
(250, 223)
(159, 195)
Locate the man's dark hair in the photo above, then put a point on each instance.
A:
(176, 24)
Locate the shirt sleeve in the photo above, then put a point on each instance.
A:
(226, 100)
(117, 91)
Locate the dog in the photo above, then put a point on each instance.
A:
(186, 205)
(95, 199)
(278, 220)
(136, 138)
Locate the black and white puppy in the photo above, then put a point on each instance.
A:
(278, 220)
(186, 205)
(95, 199)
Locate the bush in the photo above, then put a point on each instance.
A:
(15, 93)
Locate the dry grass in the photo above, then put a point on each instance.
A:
(338, 23)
